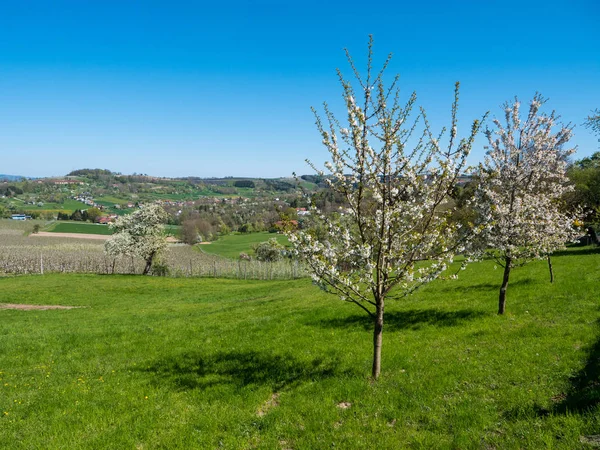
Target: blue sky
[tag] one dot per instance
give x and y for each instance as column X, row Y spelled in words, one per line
column 217, row 89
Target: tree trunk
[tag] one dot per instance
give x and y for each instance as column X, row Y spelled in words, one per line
column 377, row 341
column 148, row 264
column 502, row 298
column 550, row 269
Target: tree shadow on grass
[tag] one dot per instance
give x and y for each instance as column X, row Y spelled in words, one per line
column 487, row 287
column 584, row 393
column 243, row 368
column 408, row 319
column 578, row 251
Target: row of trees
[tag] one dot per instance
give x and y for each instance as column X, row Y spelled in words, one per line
column 79, row 215
column 207, row 222
column 398, row 178
column 398, row 181
column 10, row 190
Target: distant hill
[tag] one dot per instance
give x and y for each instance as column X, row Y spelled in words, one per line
column 4, row 177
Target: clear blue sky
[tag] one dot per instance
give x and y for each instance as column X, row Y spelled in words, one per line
column 225, row 88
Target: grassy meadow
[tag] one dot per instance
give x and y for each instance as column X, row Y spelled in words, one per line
column 231, row 245
column 109, row 202
column 95, row 228
column 69, row 205
column 80, row 227
column 212, row 363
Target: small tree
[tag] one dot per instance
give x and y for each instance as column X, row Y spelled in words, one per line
column 93, row 214
column 270, row 250
column 77, row 215
column 139, row 234
column 396, row 188
column 522, row 182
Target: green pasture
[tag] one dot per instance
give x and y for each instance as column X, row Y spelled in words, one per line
column 152, row 196
column 206, row 192
column 80, row 227
column 308, row 185
column 68, row 205
column 232, row 245
column 213, row 363
column 94, row 228
column 247, row 192
column 109, row 200
column 172, row 230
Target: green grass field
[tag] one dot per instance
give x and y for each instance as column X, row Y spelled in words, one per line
column 81, row 227
column 92, row 228
column 108, row 202
column 173, row 230
column 111, row 201
column 213, row 363
column 232, row 245
column 68, row 205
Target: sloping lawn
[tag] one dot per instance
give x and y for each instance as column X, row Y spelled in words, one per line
column 212, row 363
column 85, row 228
column 232, row 245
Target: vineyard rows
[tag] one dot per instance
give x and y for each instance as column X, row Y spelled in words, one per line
column 21, row 254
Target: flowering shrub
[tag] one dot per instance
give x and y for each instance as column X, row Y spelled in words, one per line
column 269, row 251
column 139, row 234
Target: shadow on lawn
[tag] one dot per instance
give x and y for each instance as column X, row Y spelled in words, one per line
column 585, row 386
column 242, row 368
column 584, row 393
column 487, row 287
column 399, row 320
column 578, row 251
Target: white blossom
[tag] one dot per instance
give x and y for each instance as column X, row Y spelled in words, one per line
column 140, row 233
column 398, row 197
column 521, row 184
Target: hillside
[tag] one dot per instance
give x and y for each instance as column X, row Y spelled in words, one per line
column 207, row 363
column 117, row 193
column 5, row 177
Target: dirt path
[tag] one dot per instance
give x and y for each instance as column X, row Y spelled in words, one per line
column 34, row 307
column 102, row 237
column 70, row 235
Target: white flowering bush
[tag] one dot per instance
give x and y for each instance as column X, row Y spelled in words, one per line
column 521, row 185
column 269, row 251
column 139, row 234
column 396, row 177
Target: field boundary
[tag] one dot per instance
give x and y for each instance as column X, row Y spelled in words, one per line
column 103, row 237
